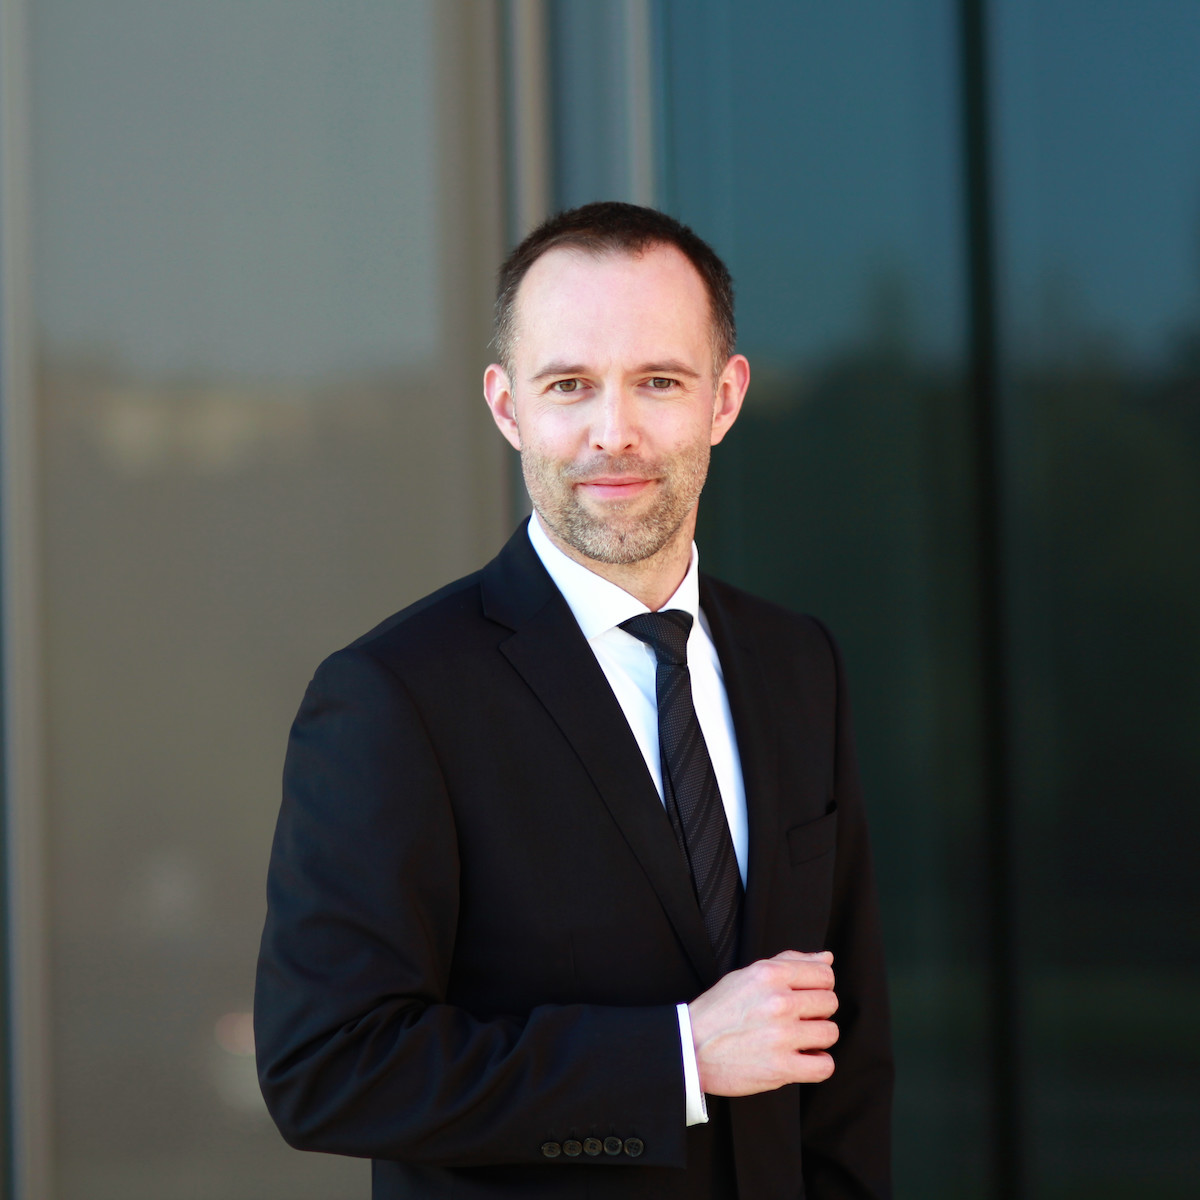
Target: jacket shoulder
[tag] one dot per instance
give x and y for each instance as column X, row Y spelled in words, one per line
column 427, row 636
column 473, row 612
column 768, row 621
column 454, row 601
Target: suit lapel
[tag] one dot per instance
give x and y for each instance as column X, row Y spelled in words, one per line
column 551, row 655
column 756, row 729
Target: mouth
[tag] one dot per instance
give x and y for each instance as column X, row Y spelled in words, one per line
column 614, row 487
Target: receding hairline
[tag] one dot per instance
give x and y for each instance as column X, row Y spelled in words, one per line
column 608, row 227
column 598, row 248
column 602, row 251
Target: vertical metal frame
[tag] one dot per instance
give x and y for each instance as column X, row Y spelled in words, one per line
column 20, row 574
column 627, row 32
column 470, row 119
column 527, row 123
column 641, row 102
column 995, row 649
column 528, row 162
column 603, row 133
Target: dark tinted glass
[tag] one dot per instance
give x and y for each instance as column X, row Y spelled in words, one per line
column 1099, row 140
column 817, row 148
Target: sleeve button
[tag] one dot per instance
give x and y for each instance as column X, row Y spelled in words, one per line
column 613, row 1145
column 592, row 1146
column 572, row 1148
column 634, row 1147
column 551, row 1149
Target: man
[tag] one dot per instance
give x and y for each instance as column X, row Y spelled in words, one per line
column 565, row 847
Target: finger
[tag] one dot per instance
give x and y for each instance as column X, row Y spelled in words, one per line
column 814, row 1003
column 809, row 973
column 795, row 965
column 814, row 1035
column 812, row 1066
column 825, row 956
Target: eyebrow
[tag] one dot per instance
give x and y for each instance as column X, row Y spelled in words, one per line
column 669, row 367
column 560, row 368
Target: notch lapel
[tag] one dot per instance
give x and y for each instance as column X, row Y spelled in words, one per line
column 549, row 652
column 756, row 728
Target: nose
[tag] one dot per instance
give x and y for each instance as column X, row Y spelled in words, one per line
column 615, row 430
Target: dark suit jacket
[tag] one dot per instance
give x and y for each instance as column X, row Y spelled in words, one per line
column 479, row 923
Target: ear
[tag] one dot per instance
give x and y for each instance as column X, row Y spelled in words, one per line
column 498, row 393
column 730, row 392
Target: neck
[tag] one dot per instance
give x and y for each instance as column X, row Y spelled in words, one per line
column 653, row 580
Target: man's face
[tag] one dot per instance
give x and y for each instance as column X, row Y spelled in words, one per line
column 612, row 399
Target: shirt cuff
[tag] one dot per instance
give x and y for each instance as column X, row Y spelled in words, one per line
column 696, row 1108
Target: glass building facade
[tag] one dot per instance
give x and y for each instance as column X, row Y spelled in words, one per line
column 247, row 255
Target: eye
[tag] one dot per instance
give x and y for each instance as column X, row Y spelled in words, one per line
column 565, row 386
column 661, row 384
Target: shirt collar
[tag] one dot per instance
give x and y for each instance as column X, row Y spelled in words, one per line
column 597, row 604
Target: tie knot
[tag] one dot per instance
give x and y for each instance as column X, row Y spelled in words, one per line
column 666, row 633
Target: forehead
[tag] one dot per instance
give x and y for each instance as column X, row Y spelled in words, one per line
column 617, row 299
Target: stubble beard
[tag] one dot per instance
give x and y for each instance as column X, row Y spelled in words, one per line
column 622, row 534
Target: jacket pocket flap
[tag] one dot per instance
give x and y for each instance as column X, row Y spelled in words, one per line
column 812, row 839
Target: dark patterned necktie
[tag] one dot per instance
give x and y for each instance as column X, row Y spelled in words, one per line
column 690, row 792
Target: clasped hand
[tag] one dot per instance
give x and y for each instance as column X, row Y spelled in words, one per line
column 766, row 1025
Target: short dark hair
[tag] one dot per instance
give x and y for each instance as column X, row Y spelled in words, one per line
column 605, row 227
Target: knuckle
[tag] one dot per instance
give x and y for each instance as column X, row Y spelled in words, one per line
column 781, row 1006
column 764, row 972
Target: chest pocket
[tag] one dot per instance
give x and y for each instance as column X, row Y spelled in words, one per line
column 811, row 855
column 812, row 839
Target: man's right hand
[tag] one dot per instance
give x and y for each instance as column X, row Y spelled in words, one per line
column 766, row 1025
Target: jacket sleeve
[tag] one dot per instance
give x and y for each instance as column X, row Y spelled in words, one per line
column 359, row 1053
column 846, row 1121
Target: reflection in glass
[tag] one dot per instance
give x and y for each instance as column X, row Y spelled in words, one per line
column 1100, row 153
column 253, row 450
column 819, row 153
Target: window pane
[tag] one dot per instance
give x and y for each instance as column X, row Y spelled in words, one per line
column 259, row 291
column 817, row 147
column 1100, row 225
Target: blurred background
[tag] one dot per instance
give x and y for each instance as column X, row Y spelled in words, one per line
column 246, row 253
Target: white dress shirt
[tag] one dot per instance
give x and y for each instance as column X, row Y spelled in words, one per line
column 630, row 667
